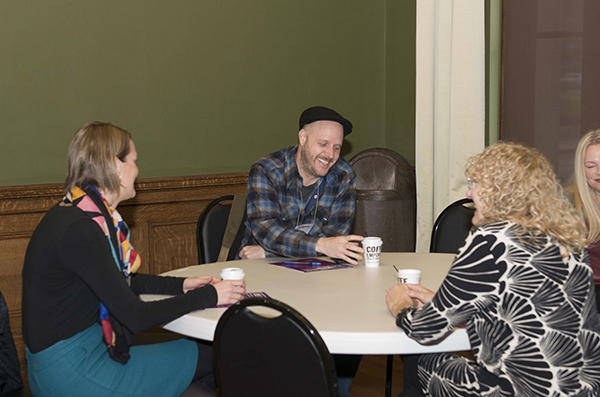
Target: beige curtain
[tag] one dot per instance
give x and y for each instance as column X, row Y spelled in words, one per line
column 450, row 103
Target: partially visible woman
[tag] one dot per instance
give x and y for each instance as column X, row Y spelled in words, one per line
column 585, row 188
column 80, row 289
column 523, row 285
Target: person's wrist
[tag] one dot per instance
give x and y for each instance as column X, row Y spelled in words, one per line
column 184, row 285
column 400, row 308
column 404, row 304
column 319, row 246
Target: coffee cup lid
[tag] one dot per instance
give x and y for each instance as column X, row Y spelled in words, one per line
column 234, row 272
column 409, row 271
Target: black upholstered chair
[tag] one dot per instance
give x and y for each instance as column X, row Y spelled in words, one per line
column 11, row 383
column 211, row 226
column 385, row 199
column 452, row 227
column 279, row 354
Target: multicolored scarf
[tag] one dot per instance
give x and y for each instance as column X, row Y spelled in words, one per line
column 117, row 338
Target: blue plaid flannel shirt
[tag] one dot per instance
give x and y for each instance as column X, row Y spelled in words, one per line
column 274, row 202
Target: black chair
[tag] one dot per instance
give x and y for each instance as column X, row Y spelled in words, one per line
column 452, row 227
column 11, row 383
column 211, row 226
column 274, row 355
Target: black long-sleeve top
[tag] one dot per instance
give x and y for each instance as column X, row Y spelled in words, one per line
column 69, row 269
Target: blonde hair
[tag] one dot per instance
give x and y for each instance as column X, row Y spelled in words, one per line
column 91, row 156
column 517, row 183
column 584, row 197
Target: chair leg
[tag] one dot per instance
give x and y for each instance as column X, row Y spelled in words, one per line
column 388, row 375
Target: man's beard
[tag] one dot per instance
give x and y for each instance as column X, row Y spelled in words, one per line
column 308, row 164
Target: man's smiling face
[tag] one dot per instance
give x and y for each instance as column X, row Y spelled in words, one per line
column 319, row 149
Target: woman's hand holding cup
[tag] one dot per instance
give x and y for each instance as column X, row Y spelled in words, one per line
column 233, row 288
column 230, row 291
column 419, row 294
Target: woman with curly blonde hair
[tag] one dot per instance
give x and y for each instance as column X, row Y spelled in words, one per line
column 521, row 282
column 517, row 182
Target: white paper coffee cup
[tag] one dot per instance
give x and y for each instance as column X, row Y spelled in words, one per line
column 409, row 276
column 372, row 246
column 232, row 273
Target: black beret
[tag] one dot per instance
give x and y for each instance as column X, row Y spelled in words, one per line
column 317, row 113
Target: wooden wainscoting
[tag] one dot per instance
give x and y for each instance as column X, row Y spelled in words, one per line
column 162, row 218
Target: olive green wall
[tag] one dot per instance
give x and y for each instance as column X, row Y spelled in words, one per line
column 204, row 86
column 400, row 74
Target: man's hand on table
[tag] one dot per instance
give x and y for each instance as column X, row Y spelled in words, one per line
column 252, row 252
column 342, row 247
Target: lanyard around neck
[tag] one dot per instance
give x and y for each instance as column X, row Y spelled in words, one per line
column 302, row 208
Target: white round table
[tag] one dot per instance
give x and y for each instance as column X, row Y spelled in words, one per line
column 347, row 306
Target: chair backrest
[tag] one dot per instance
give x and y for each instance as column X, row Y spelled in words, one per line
column 452, row 227
column 10, row 372
column 280, row 355
column 385, row 199
column 211, row 227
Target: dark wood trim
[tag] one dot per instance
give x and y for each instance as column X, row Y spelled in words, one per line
column 143, row 187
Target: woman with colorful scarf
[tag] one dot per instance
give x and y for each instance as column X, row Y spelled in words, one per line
column 80, row 289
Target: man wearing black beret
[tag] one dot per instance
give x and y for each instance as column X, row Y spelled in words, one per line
column 300, row 203
column 301, row 199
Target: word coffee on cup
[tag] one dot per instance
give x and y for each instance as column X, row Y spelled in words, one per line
column 232, row 273
column 409, row 276
column 372, row 246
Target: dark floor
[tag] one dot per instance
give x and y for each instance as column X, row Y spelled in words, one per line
column 370, row 379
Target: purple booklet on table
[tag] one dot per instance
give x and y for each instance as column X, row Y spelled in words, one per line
column 307, row 265
column 248, row 295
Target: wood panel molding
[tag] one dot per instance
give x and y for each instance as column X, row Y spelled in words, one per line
column 162, row 218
